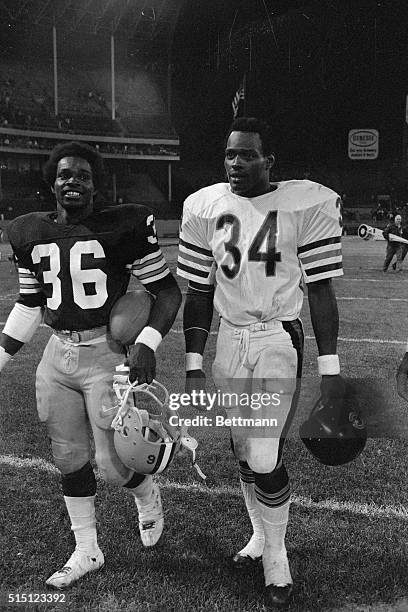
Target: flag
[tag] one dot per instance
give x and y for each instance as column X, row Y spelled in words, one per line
column 239, row 95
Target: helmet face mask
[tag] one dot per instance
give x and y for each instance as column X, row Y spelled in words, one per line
column 144, row 441
column 334, row 435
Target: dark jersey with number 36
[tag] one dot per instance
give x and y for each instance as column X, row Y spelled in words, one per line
column 77, row 272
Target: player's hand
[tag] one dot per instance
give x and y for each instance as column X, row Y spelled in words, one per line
column 196, row 381
column 402, row 378
column 332, row 389
column 142, row 363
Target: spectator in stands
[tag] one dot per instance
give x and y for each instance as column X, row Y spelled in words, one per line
column 393, row 246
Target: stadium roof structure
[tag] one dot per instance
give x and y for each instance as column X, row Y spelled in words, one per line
column 95, row 16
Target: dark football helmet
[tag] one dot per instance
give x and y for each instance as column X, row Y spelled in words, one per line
column 334, row 433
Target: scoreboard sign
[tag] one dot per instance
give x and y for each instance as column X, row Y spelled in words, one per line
column 363, row 144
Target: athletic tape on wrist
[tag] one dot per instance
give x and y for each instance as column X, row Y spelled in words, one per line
column 4, row 357
column 194, row 361
column 328, row 365
column 150, row 337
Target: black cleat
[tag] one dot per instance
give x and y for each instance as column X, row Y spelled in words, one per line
column 245, row 561
column 278, row 597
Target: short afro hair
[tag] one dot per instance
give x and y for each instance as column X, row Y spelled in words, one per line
column 74, row 149
column 252, row 124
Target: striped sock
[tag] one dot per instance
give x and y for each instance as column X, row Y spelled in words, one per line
column 273, row 494
column 254, row 547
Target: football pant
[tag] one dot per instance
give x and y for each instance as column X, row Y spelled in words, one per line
column 74, row 391
column 255, row 362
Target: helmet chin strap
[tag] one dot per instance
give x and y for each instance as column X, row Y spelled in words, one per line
column 123, row 387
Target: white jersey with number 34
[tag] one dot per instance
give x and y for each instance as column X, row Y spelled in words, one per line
column 259, row 250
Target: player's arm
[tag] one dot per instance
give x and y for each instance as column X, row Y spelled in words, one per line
column 197, row 318
column 141, row 358
column 20, row 326
column 325, row 321
column 319, row 252
column 196, row 265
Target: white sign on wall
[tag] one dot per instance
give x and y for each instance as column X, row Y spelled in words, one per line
column 363, row 144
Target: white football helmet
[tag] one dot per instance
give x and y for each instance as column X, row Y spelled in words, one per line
column 144, row 440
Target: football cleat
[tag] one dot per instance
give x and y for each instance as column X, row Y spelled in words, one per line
column 279, row 589
column 334, row 433
column 79, row 564
column 151, row 519
column 250, row 554
column 278, row 597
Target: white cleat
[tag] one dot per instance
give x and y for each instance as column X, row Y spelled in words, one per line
column 78, row 565
column 151, row 519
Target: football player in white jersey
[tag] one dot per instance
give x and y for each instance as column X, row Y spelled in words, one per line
column 74, row 264
column 248, row 247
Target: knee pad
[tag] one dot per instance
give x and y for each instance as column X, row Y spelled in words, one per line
column 69, row 458
column 135, row 481
column 81, row 483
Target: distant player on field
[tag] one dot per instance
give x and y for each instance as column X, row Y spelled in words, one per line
column 247, row 246
column 393, row 247
column 74, row 264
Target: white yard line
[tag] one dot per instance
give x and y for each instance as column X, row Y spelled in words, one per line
column 340, row 339
column 371, row 280
column 334, row 505
column 357, row 340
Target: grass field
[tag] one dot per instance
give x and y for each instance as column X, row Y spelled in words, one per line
column 348, row 533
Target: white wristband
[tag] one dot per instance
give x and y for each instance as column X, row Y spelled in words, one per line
column 150, row 337
column 4, row 357
column 328, row 365
column 194, row 361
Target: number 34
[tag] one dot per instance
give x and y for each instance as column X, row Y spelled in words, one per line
column 270, row 256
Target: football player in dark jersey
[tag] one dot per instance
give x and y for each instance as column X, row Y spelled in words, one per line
column 74, row 263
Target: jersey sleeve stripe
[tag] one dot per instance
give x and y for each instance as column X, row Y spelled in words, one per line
column 319, row 256
column 191, row 273
column 28, row 280
column 318, row 243
column 149, row 259
column 321, row 264
column 200, row 263
column 195, row 248
column 148, row 264
column 24, row 289
column 311, row 272
column 153, row 274
column 145, row 280
column 193, row 254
